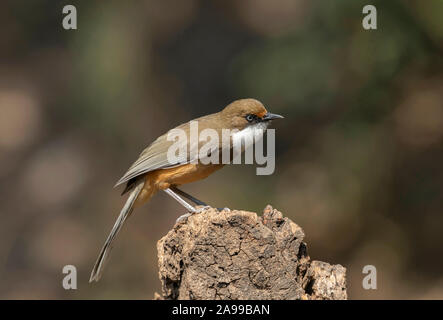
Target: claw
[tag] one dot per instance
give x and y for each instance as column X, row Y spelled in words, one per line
column 185, row 216
column 201, row 209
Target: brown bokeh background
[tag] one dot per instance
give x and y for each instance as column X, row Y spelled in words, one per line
column 359, row 154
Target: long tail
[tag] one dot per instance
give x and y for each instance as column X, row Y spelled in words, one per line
column 124, row 214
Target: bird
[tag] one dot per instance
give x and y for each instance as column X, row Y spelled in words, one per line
column 153, row 170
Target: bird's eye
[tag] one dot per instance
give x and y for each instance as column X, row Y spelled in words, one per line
column 250, row 117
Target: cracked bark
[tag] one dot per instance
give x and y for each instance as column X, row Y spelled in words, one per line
column 239, row 255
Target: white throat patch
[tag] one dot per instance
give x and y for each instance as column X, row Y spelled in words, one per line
column 249, row 135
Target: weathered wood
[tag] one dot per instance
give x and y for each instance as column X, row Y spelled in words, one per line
column 239, row 255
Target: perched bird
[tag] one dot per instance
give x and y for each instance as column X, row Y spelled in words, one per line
column 153, row 170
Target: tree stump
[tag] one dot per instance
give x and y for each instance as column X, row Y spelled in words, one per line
column 239, row 255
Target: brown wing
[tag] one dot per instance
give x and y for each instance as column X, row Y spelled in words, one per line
column 155, row 155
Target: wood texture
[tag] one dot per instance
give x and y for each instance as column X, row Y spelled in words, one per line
column 239, row 255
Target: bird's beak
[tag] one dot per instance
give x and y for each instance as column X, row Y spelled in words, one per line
column 271, row 116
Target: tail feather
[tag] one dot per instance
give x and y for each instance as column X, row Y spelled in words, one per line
column 124, row 214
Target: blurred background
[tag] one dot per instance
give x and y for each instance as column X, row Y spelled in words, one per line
column 359, row 154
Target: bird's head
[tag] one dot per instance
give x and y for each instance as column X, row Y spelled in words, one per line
column 244, row 113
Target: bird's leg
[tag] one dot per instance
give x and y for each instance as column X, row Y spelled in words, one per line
column 189, row 197
column 195, row 200
column 191, row 209
column 188, row 207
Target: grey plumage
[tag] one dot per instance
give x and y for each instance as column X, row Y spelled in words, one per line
column 155, row 155
column 124, row 214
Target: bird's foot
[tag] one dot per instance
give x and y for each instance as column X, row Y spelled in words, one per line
column 202, row 208
column 185, row 216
